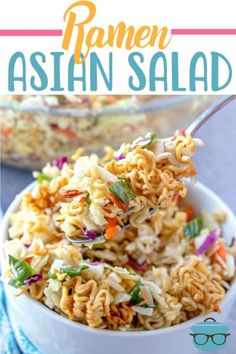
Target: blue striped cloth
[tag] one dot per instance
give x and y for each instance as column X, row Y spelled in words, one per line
column 12, row 339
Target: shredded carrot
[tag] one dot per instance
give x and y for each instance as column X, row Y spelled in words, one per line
column 6, row 131
column 111, row 232
column 192, row 173
column 28, row 259
column 65, row 131
column 70, row 193
column 111, row 99
column 110, row 222
column 190, row 212
column 83, row 199
column 221, row 252
column 119, row 203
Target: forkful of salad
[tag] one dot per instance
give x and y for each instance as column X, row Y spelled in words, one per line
column 142, row 178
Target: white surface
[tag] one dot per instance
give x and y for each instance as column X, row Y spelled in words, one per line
column 53, row 333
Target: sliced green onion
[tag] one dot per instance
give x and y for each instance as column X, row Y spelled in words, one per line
column 15, row 283
column 52, row 275
column 21, row 271
column 193, row 228
column 88, row 199
column 73, row 270
column 98, row 246
column 42, row 177
column 135, row 293
column 149, row 136
column 121, row 190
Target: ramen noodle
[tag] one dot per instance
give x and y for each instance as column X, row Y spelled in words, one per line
column 157, row 273
column 101, row 197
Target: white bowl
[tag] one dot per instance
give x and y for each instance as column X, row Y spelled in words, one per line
column 52, row 333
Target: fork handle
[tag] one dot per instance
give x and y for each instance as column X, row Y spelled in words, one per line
column 203, row 118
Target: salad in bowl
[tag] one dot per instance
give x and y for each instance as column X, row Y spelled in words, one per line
column 166, row 256
column 158, row 272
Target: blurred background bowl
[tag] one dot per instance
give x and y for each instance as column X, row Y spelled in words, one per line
column 37, row 129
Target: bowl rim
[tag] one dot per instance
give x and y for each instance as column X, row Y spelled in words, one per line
column 133, row 108
column 106, row 332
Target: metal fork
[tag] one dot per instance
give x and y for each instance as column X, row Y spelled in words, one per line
column 192, row 129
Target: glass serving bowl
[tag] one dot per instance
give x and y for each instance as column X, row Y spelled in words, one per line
column 37, row 129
